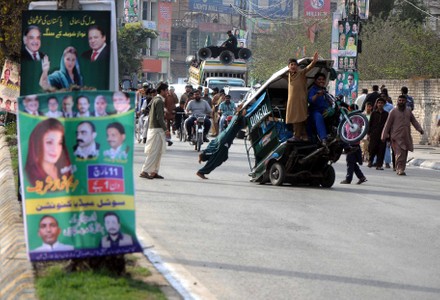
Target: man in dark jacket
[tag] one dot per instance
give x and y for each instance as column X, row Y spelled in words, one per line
column 376, row 146
column 371, row 97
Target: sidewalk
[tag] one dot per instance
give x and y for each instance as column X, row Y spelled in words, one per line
column 425, row 156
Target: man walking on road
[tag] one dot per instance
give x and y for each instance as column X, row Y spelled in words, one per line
column 157, row 132
column 398, row 129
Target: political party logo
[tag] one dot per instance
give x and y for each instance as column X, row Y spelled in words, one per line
column 317, row 4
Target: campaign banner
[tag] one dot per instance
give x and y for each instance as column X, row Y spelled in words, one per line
column 316, row 9
column 354, row 8
column 64, row 48
column 348, row 33
column 164, row 27
column 131, row 11
column 76, row 158
column 9, row 86
column 347, row 85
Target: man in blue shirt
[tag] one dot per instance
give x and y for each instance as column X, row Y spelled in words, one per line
column 226, row 108
column 317, row 106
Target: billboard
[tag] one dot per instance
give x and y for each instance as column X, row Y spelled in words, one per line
column 268, row 9
column 316, row 9
column 64, row 48
column 76, row 158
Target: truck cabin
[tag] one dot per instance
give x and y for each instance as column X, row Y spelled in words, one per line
column 220, row 83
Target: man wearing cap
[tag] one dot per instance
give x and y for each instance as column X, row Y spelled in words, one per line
column 231, row 43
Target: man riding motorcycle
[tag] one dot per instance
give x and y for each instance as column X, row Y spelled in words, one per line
column 198, row 108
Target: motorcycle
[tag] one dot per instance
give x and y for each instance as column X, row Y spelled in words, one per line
column 197, row 132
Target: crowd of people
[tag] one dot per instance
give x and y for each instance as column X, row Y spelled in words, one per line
column 389, row 134
column 214, row 108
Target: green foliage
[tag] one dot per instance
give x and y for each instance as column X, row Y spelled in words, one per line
column 131, row 39
column 56, row 284
column 381, row 8
column 11, row 128
column 10, row 28
column 404, row 11
column 394, row 49
column 272, row 51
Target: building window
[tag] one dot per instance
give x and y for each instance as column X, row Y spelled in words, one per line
column 145, row 10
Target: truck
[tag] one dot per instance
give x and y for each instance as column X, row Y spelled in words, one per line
column 219, row 67
column 213, row 73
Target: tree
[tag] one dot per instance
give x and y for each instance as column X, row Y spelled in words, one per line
column 381, row 8
column 394, row 49
column 131, row 39
column 10, row 28
column 414, row 10
column 271, row 52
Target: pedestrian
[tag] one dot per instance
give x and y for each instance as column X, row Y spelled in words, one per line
column 409, row 99
column 361, row 98
column 353, row 158
column 389, row 154
column 376, row 146
column 365, row 142
column 398, row 130
column 296, row 110
column 157, row 131
column 217, row 151
column 371, row 97
column 216, row 100
column 170, row 113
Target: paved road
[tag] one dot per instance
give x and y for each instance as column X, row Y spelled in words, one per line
column 227, row 238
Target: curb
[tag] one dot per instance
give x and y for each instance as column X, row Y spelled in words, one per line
column 17, row 277
column 425, row 164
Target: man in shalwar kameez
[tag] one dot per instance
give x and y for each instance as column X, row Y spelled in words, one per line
column 398, row 129
column 296, row 110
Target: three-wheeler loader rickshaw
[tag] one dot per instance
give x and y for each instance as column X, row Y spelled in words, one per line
column 273, row 157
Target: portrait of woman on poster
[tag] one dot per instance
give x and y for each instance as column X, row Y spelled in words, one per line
column 47, row 152
column 68, row 74
column 351, row 45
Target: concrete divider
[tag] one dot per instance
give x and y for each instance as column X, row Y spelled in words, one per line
column 16, row 274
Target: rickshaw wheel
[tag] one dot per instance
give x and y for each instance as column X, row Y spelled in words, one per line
column 277, row 173
column 328, row 178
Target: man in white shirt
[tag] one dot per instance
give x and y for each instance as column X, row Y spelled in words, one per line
column 67, row 105
column 100, row 106
column 53, row 112
column 361, row 98
column 121, row 102
column 31, row 105
column 86, row 147
column 48, row 230
column 83, row 105
column 99, row 49
column 116, row 138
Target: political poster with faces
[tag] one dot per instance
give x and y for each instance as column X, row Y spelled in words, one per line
column 76, row 173
column 61, row 49
column 9, row 86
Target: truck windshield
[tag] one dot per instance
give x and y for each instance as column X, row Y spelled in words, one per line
column 221, row 83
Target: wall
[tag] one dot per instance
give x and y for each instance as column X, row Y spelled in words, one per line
column 426, row 94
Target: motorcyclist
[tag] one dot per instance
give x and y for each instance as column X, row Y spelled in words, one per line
column 225, row 109
column 198, row 108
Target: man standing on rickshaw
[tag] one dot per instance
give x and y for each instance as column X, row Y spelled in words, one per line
column 296, row 110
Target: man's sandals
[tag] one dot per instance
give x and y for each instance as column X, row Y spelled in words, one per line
column 150, row 176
